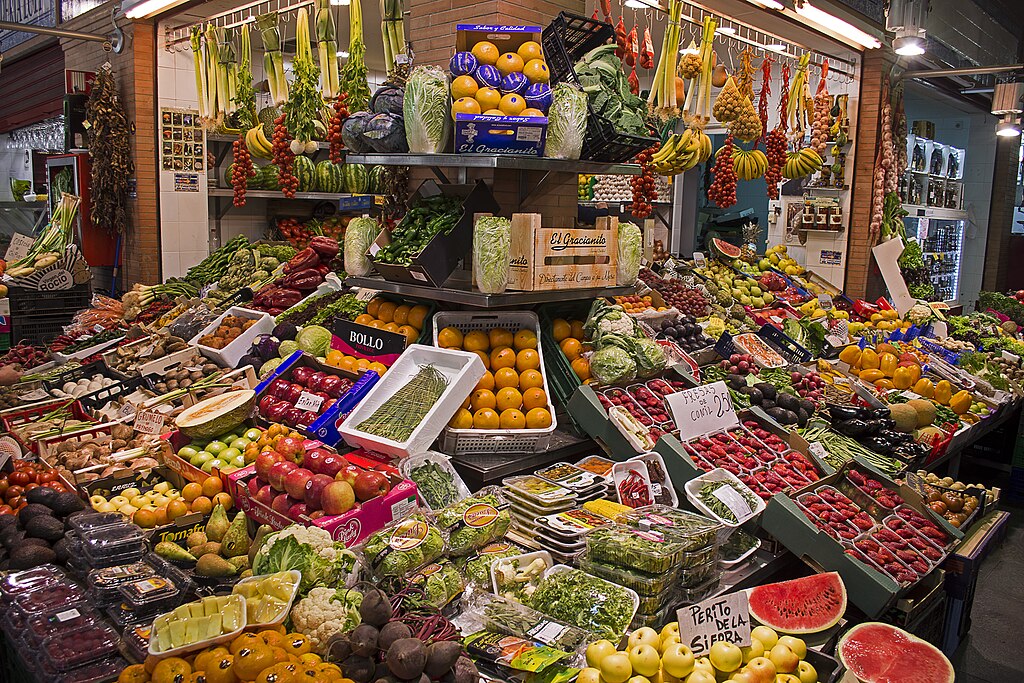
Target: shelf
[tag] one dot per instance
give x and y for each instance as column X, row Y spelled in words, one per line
column 23, row 205
column 224, row 137
column 277, row 194
column 459, row 292
column 826, row 188
column 936, row 176
column 595, row 202
column 934, row 212
column 496, row 161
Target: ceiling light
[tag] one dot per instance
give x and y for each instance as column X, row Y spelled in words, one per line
column 343, row 54
column 776, row 47
column 768, row 4
column 906, row 19
column 727, row 30
column 908, row 45
column 143, row 9
column 636, row 4
column 840, row 27
column 1009, row 127
column 689, row 51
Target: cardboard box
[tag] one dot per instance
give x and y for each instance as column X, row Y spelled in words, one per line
column 143, row 480
column 439, row 258
column 178, row 530
column 562, row 258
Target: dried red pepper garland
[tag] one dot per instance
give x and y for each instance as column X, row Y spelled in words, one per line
column 643, row 185
column 241, row 170
column 722, row 190
column 283, row 158
column 775, row 143
column 334, row 134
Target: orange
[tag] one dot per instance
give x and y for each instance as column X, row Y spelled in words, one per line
column 560, row 329
column 136, row 673
column 310, row 659
column 576, row 328
column 348, row 363
column 509, row 397
column 378, row 367
column 510, row 63
column 144, row 518
column 282, row 672
column 482, row 398
column 527, row 359
column 201, row 504
column 280, row 656
column 525, row 339
column 150, row 663
column 530, row 111
column 377, row 324
column 212, row 486
column 485, row 52
column 464, row 86
column 362, row 364
column 536, row 71
column 197, row 677
column 485, row 419
column 530, row 50
column 506, row 377
column 499, row 337
column 449, row 338
column 418, row 316
column 530, row 379
column 410, row 332
column 171, row 670
column 224, row 498
column 534, row 398
column 161, row 514
column 494, row 112
column 581, row 366
column 386, row 312
column 475, row 341
column 371, row 308
column 486, row 382
column 485, row 359
column 512, row 104
column 272, row 638
column 250, row 661
column 538, row 418
column 571, row 348
column 512, row 418
column 296, row 644
column 503, row 358
column 463, row 420
column 177, row 507
column 206, row 657
column 192, row 490
column 331, row 670
column 243, row 641
column 466, row 105
column 364, row 319
column 489, row 98
column 334, row 356
column 220, row 669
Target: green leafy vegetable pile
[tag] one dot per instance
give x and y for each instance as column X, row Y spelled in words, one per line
column 595, row 605
column 647, row 551
column 477, row 567
column 1002, row 303
column 600, row 73
column 492, row 241
column 441, row 582
column 320, row 308
column 474, row 522
column 430, row 217
column 435, row 484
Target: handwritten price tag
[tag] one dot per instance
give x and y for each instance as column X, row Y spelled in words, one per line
column 308, row 401
column 702, row 410
column 825, row 301
column 917, row 483
column 726, row 617
column 127, row 410
column 19, row 247
column 149, row 422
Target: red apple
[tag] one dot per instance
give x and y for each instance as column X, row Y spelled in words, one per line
column 278, row 472
column 349, row 474
column 333, row 464
column 265, row 495
column 281, row 503
column 277, row 411
column 289, row 447
column 301, row 375
column 338, row 498
column 295, row 482
column 370, row 484
column 313, row 460
column 266, row 460
column 298, row 510
column 294, row 391
column 254, row 485
column 315, row 379
column 315, row 488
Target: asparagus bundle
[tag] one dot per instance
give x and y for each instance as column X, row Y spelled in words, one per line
column 403, row 411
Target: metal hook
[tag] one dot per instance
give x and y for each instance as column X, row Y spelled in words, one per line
column 116, row 42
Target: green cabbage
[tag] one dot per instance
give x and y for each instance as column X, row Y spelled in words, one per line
column 492, row 242
column 631, row 247
column 426, row 110
column 567, row 122
column 649, row 356
column 359, row 235
column 611, row 365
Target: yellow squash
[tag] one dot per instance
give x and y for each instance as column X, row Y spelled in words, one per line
column 869, row 359
column 872, row 375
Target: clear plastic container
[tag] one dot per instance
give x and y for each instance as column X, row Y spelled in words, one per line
column 127, row 554
column 623, row 546
column 571, row 523
column 654, row 603
column 697, row 574
column 688, row 596
column 533, row 508
column 598, row 465
column 72, row 649
column 89, row 520
column 644, row 584
column 539, row 492
column 61, row 619
column 111, row 538
column 104, row 583
column 737, row 498
column 96, row 672
column 413, row 468
column 693, row 531
column 570, row 476
column 136, row 640
column 124, row 616
column 222, row 614
column 151, row 594
column 17, row 583
column 738, row 547
column 50, row 596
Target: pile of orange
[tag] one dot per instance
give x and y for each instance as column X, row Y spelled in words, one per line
column 571, row 340
column 637, row 304
column 397, row 317
column 511, row 393
column 337, row 359
column 269, row 656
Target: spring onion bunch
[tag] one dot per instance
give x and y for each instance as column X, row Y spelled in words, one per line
column 199, row 62
column 144, row 295
column 698, row 109
column 662, row 100
column 55, row 238
column 245, row 95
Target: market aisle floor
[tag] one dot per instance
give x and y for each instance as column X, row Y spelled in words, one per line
column 991, row 653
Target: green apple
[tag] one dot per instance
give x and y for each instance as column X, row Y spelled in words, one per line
column 239, row 443
column 229, row 453
column 764, row 264
column 216, row 447
column 238, row 461
column 253, row 434
column 187, row 453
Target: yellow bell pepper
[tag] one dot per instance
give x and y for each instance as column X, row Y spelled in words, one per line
column 885, row 384
column 850, row 355
column 903, row 378
column 869, row 359
column 887, row 363
column 924, row 388
column 960, row 402
column 943, row 392
column 915, row 371
column 871, row 375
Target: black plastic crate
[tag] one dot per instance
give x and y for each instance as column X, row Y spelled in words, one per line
column 39, row 329
column 75, row 374
column 36, row 302
column 565, row 40
column 102, row 397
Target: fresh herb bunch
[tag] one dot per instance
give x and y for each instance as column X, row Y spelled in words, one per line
column 322, row 306
column 430, row 217
column 513, row 618
column 214, row 266
column 110, row 153
column 707, row 496
column 595, row 605
column 347, row 307
column 435, row 484
column 464, row 534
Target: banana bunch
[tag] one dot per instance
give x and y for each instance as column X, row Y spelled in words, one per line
column 681, row 152
column 801, row 163
column 258, row 144
column 749, row 165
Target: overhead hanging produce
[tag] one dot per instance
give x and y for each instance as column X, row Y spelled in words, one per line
column 304, row 103
column 662, row 100
column 775, row 140
column 273, row 57
column 392, row 28
column 245, row 95
column 110, row 154
column 327, row 50
column 354, row 73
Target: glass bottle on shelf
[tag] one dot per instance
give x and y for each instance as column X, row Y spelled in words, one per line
column 936, row 165
column 918, row 161
column 904, row 189
column 951, row 201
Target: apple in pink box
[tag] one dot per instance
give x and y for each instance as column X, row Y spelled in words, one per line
column 332, row 464
column 278, row 472
column 281, row 503
column 338, row 498
column 298, row 510
column 348, row 474
column 313, row 460
column 265, row 495
column 266, row 460
column 254, row 485
column 371, row 484
column 315, row 488
column 295, row 482
column 301, row 375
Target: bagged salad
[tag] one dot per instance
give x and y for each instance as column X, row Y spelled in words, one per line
column 476, row 521
column 595, row 605
column 399, row 548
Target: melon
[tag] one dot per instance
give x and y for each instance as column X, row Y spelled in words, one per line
column 216, row 415
column 877, row 653
column 807, row 605
column 724, row 250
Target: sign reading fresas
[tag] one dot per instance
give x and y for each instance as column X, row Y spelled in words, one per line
column 721, row 618
column 702, row 410
column 367, row 342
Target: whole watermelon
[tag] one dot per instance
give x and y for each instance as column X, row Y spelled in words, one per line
column 330, row 177
column 305, row 172
column 357, row 179
column 251, row 183
column 376, row 184
column 266, row 177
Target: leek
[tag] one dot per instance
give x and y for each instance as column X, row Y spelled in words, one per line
column 196, row 41
column 392, row 29
column 662, row 100
column 216, row 76
column 273, row 58
column 796, row 94
column 327, row 47
column 353, row 74
column 229, row 68
column 245, row 94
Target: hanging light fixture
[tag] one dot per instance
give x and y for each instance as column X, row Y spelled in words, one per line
column 1006, row 104
column 839, row 27
column 906, row 19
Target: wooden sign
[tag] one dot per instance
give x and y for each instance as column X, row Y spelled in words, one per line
column 562, row 258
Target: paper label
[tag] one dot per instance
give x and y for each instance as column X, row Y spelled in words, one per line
column 725, row 617
column 698, row 259
column 529, row 133
column 149, row 422
column 308, row 401
column 917, row 483
column 363, row 294
column 817, row 450
column 418, row 275
column 825, row 301
column 67, row 615
column 733, row 500
column 19, row 247
column 547, row 632
column 702, row 410
column 127, row 410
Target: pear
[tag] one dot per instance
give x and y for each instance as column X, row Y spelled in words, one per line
column 218, row 524
column 196, row 538
column 239, row 562
column 173, row 551
column 214, row 566
column 236, row 541
column 257, row 542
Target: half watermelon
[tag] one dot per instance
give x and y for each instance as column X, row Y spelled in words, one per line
column 808, row 605
column 881, row 653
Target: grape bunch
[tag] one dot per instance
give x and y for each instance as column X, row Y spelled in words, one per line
column 775, row 150
column 241, row 171
column 643, row 184
column 722, row 190
column 334, row 133
column 283, row 158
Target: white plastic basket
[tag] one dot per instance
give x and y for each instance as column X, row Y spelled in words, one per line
column 719, row 474
column 457, row 441
column 296, row 578
column 86, row 352
column 229, row 356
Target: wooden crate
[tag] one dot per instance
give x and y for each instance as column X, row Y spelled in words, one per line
column 564, row 258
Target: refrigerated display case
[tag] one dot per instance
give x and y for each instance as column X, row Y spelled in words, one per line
column 70, row 173
column 942, row 244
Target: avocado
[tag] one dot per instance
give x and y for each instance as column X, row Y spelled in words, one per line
column 8, row 520
column 789, row 417
column 768, row 389
column 11, row 536
column 28, row 556
column 43, row 495
column 67, row 503
column 61, row 549
column 755, row 396
column 767, row 404
column 33, row 510
column 777, row 413
column 788, row 401
column 45, row 527
column 808, row 406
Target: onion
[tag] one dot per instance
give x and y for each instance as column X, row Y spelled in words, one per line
column 296, row 147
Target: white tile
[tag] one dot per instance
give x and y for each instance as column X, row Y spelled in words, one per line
column 186, row 87
column 166, row 87
column 171, row 264
column 170, row 239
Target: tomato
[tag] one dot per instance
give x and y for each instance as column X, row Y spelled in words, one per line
column 3, row 486
column 6, row 510
column 31, row 485
column 48, row 475
column 55, row 485
column 15, row 502
column 19, row 477
column 13, row 492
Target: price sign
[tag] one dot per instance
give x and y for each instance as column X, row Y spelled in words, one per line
column 19, row 247
column 817, row 450
column 825, row 301
column 917, row 483
column 149, row 422
column 698, row 259
column 364, row 294
column 308, row 401
column 722, row 618
column 127, row 410
column 702, row 410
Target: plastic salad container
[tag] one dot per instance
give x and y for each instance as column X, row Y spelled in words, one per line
column 437, row 482
column 654, row 603
column 698, row 593
column 477, row 567
column 697, row 574
column 517, row 577
column 623, row 546
column 61, row 619
column 89, row 520
column 734, row 502
column 71, row 649
column 571, row 523
column 268, row 597
column 692, row 530
column 512, row 618
column 95, row 672
column 217, row 619
column 587, row 601
column 738, row 547
column 643, row 583
column 474, row 522
column 17, row 583
column 570, row 476
column 539, row 492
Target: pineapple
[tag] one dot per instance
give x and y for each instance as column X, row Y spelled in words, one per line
column 748, row 252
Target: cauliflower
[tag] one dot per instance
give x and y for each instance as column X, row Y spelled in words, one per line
column 324, row 612
column 311, row 550
column 919, row 314
column 616, row 322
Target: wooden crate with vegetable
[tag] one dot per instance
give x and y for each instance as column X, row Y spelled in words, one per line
column 545, row 258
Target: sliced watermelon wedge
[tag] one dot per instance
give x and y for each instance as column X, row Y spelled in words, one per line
column 882, row 653
column 808, row 605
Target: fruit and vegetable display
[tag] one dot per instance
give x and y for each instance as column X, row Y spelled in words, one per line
column 487, row 81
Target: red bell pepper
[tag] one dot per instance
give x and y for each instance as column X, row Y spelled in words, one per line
column 325, row 247
column 307, row 258
column 305, row 280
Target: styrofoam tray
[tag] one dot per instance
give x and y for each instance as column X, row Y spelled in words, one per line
column 229, row 356
column 457, row 441
column 86, row 352
column 719, row 474
column 222, row 638
column 296, row 577
column 463, row 370
column 157, row 366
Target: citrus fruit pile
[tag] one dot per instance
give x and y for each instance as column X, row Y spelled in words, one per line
column 572, row 341
column 485, row 81
column 397, row 317
column 163, row 503
column 511, row 394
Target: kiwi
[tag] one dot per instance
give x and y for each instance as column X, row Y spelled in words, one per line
column 406, row 658
column 392, row 631
column 441, row 657
column 375, row 609
column 364, row 640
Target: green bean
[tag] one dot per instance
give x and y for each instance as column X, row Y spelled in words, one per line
column 398, row 416
column 840, row 449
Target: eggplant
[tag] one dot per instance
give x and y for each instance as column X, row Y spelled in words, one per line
column 879, row 445
column 879, row 413
column 839, row 413
column 873, row 427
column 853, row 428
